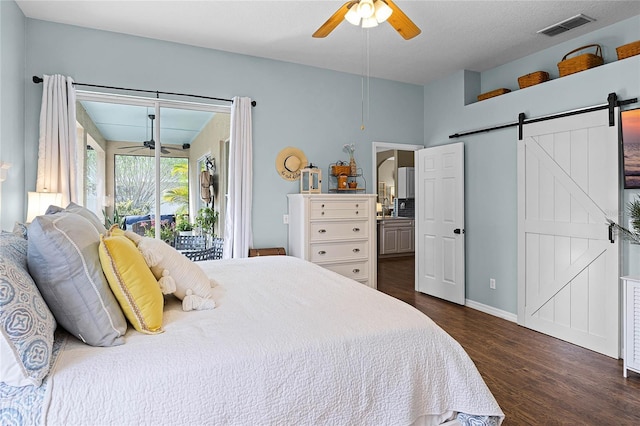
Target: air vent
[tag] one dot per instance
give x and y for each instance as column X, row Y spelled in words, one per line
column 566, row 25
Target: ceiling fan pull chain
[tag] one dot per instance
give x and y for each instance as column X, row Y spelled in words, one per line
column 365, row 77
column 368, row 75
column 362, row 103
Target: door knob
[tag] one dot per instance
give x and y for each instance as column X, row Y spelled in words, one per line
column 458, row 231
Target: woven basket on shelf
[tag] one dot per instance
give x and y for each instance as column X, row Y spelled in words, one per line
column 533, row 79
column 580, row 62
column 339, row 169
column 491, row 94
column 628, row 50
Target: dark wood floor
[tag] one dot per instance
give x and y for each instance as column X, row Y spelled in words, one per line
column 536, row 379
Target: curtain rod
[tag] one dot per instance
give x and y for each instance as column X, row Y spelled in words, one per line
column 38, row 80
column 612, row 102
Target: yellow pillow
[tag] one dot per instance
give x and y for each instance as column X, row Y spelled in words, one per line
column 133, row 284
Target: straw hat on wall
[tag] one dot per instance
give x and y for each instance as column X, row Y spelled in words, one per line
column 289, row 162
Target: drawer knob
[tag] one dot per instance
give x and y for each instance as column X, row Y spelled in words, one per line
column 322, row 252
column 322, row 213
column 357, row 212
column 322, row 231
column 357, row 205
column 323, row 206
column 355, row 271
column 356, row 229
column 356, row 250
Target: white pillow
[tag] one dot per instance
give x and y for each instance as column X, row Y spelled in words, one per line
column 190, row 279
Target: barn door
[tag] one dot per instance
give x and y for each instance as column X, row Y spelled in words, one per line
column 567, row 266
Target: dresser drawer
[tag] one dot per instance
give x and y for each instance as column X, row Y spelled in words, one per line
column 327, row 231
column 331, row 252
column 355, row 270
column 348, row 209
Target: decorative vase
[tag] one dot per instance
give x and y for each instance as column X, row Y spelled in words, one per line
column 353, row 166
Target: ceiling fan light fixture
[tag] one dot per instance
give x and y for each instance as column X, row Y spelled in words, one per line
column 369, row 22
column 369, row 13
column 352, row 15
column 383, row 11
column 366, row 9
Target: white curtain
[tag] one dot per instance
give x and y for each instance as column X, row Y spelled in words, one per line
column 238, row 236
column 57, row 149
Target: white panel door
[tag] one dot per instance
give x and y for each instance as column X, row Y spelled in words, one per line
column 440, row 222
column 567, row 267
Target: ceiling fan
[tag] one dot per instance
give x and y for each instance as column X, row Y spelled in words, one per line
column 151, row 143
column 370, row 13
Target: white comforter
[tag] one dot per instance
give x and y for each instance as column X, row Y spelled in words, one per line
column 290, row 343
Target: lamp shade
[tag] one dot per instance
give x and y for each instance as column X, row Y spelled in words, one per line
column 369, row 22
column 352, row 15
column 383, row 11
column 368, row 13
column 38, row 202
column 366, row 8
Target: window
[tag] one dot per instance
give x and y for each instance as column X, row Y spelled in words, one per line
column 91, row 171
column 135, row 193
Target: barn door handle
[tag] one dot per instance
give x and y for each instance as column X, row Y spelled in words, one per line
column 611, row 240
column 458, row 231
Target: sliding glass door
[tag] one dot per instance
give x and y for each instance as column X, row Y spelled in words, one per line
column 153, row 153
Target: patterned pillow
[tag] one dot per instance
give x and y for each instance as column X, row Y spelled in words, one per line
column 26, row 323
column 21, row 230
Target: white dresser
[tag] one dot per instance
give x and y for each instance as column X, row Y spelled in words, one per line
column 631, row 324
column 336, row 231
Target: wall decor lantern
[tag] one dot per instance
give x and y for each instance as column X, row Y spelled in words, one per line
column 311, row 180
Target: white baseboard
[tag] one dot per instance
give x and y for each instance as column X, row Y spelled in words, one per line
column 491, row 310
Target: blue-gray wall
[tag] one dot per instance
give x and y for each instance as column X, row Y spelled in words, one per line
column 313, row 109
column 12, row 84
column 490, row 158
column 319, row 111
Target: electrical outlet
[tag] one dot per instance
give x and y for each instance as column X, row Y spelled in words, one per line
column 285, row 219
column 492, row 283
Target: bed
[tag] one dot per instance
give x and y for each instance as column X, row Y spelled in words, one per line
column 287, row 343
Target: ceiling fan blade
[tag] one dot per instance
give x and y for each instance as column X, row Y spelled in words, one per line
column 334, row 20
column 401, row 22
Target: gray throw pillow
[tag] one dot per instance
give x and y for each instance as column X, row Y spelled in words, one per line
column 87, row 214
column 64, row 262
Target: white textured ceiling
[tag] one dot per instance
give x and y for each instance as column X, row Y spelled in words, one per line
column 472, row 35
